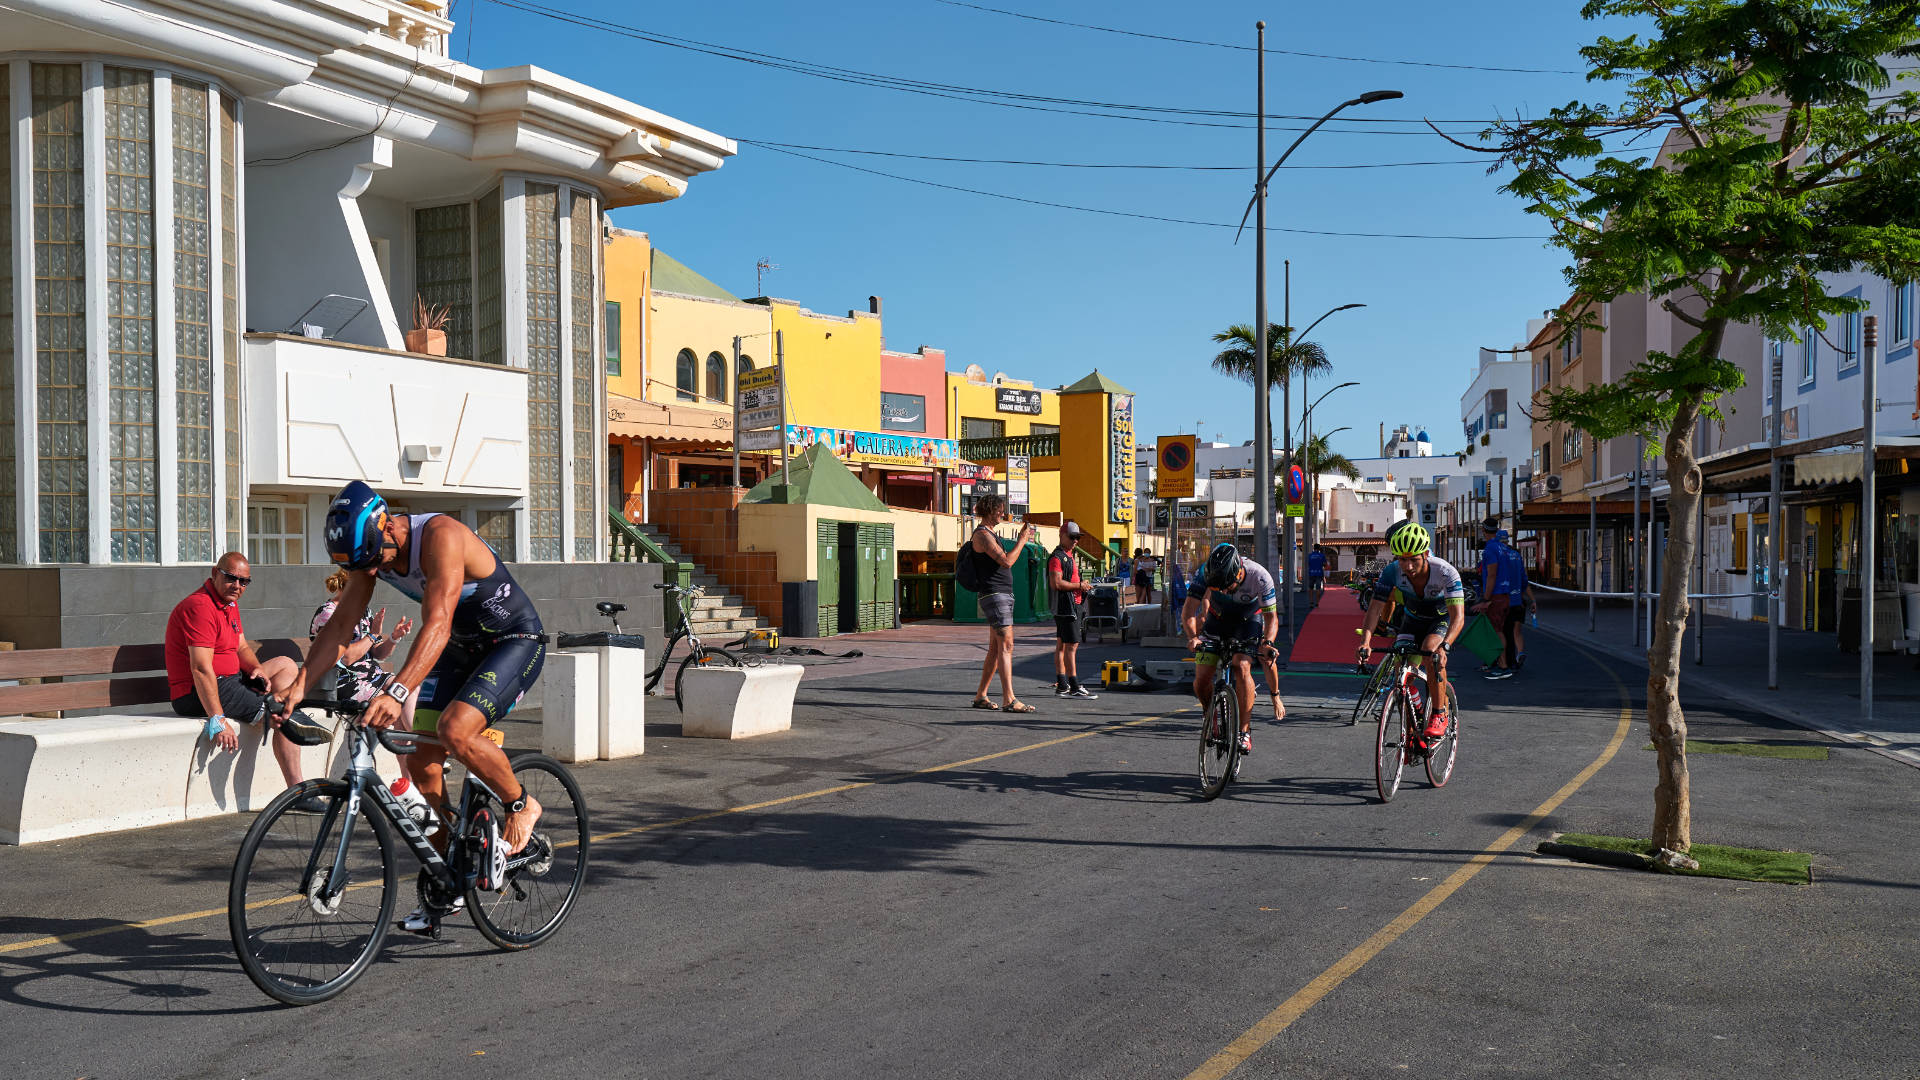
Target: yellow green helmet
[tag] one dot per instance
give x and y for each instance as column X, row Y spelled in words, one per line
column 1412, row 539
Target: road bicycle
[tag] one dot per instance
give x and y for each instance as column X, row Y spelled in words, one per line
column 1220, row 723
column 312, row 895
column 1404, row 711
column 698, row 656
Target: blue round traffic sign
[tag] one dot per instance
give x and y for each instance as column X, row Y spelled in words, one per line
column 1296, row 484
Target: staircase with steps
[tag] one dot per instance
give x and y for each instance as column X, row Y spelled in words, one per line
column 718, row 612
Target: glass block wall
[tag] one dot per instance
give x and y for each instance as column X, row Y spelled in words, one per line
column 489, row 316
column 544, row 501
column 193, row 322
column 131, row 380
column 60, row 317
column 582, row 254
column 443, row 269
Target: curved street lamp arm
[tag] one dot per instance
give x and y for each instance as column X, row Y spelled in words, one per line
column 1367, row 98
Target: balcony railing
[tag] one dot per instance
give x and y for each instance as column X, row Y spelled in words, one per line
column 1018, row 445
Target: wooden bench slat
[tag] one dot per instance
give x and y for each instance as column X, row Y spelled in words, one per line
column 102, row 660
column 96, row 694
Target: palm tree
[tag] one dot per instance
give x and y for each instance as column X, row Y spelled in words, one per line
column 1283, row 361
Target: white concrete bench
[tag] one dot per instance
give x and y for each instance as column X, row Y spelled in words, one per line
column 76, row 776
column 737, row 703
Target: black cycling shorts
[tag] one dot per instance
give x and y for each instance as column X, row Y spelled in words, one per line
column 1418, row 628
column 490, row 676
column 1227, row 629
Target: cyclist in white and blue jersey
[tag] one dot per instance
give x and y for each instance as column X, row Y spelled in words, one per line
column 1240, row 603
column 1435, row 600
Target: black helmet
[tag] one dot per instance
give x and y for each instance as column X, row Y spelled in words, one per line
column 1223, row 569
column 354, row 526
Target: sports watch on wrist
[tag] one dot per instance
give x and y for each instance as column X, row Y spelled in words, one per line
column 398, row 691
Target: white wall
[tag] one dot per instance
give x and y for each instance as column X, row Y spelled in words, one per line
column 305, row 240
column 1832, row 402
column 320, row 415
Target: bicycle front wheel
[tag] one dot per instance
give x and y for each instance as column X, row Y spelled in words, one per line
column 1370, row 694
column 704, row 656
column 302, row 936
column 1219, row 743
column 1441, row 752
column 543, row 880
column 1390, row 744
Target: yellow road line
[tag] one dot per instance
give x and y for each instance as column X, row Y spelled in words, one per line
column 168, row 920
column 1277, row 1021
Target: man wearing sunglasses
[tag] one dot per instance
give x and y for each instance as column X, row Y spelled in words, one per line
column 213, row 673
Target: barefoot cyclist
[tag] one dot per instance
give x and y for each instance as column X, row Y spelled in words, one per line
column 1435, row 601
column 479, row 647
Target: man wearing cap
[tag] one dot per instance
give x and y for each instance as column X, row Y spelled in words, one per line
column 1494, row 593
column 1069, row 613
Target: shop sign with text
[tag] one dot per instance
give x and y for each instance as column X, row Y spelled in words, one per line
column 1014, row 400
column 1120, row 476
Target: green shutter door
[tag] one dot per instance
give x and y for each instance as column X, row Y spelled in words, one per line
column 827, row 593
column 851, row 577
column 885, row 567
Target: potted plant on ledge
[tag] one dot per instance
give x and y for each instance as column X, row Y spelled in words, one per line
column 429, row 333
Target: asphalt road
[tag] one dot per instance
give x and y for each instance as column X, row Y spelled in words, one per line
column 1044, row 896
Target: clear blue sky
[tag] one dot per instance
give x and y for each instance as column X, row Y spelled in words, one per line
column 1048, row 294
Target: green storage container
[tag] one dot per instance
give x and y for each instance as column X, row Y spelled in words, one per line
column 1030, row 600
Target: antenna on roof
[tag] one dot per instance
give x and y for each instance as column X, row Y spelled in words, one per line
column 760, row 271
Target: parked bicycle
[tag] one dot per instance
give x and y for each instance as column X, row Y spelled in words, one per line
column 312, row 895
column 1404, row 711
column 1220, row 723
column 699, row 655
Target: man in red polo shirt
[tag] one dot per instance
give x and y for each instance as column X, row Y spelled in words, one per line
column 212, row 671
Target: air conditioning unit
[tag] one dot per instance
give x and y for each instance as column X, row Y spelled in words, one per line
column 1553, row 483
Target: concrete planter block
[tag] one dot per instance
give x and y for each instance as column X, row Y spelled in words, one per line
column 737, row 703
column 570, row 717
column 623, row 702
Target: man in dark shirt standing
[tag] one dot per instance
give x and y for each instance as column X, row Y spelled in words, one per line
column 212, row 672
column 1069, row 614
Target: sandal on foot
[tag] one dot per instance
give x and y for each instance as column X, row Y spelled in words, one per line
column 1017, row 706
column 983, row 703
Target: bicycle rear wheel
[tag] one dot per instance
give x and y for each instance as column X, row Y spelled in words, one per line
column 300, row 938
column 544, row 879
column 704, row 656
column 1441, row 752
column 1219, row 745
column 1390, row 744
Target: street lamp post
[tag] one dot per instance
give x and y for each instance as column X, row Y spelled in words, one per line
column 1311, row 523
column 1262, row 405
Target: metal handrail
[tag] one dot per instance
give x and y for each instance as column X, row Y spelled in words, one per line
column 628, row 544
column 996, row 449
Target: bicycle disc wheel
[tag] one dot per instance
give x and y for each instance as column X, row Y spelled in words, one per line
column 538, row 895
column 299, row 940
column 1441, row 753
column 1390, row 745
column 1219, row 750
column 704, row 656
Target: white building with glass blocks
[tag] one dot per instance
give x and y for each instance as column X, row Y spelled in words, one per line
column 215, row 221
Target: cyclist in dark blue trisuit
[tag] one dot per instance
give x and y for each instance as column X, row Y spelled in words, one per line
column 1238, row 597
column 479, row 647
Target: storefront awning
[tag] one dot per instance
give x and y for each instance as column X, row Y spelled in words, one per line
column 1841, row 464
column 690, row 428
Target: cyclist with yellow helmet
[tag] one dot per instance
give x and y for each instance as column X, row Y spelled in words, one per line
column 1435, row 600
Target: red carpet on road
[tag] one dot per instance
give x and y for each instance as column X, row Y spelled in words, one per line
column 1330, row 633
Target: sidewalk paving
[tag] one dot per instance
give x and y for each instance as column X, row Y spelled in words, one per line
column 1819, row 684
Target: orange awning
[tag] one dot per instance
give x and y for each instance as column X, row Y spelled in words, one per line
column 692, row 427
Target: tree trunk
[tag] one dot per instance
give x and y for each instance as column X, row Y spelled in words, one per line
column 1672, row 800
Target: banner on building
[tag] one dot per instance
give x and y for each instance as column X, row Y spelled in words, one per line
column 1189, row 512
column 1014, row 400
column 876, row 448
column 1120, row 474
column 1017, row 473
column 760, row 440
column 1174, row 478
column 903, row 412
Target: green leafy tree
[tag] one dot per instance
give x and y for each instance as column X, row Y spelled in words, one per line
column 1786, row 149
column 1284, row 360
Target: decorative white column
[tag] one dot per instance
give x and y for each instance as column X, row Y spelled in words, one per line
column 99, row 360
column 25, row 341
column 166, row 430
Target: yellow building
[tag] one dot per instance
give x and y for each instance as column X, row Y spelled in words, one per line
column 671, row 370
column 997, row 416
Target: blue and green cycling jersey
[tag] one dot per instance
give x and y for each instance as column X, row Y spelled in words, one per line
column 1254, row 595
column 1443, row 587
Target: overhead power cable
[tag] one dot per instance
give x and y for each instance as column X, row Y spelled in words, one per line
column 1250, row 48
column 1160, row 114
column 1094, row 165
column 1131, row 213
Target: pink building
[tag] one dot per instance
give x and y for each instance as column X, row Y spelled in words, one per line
column 913, row 401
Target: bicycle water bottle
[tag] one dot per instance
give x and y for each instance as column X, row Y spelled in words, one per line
column 416, row 805
column 1415, row 695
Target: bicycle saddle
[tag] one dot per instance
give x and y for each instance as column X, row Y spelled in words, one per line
column 608, row 607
